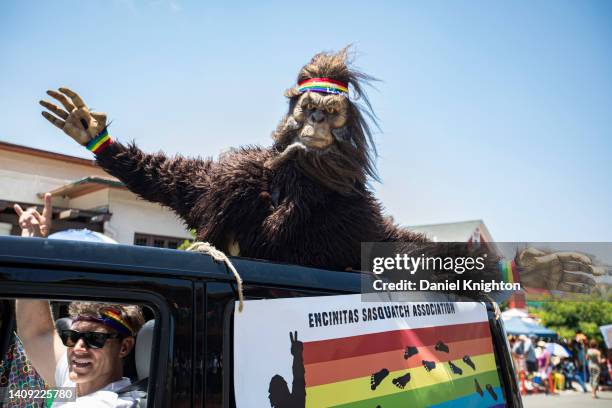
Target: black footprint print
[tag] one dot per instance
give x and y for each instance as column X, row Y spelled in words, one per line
column 400, row 382
column 441, row 347
column 489, row 388
column 455, row 369
column 429, row 365
column 410, row 351
column 376, row 378
column 467, row 360
column 478, row 389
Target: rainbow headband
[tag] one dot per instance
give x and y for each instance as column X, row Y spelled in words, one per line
column 323, row 85
column 109, row 317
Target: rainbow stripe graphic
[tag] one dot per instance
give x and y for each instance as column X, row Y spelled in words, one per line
column 339, row 371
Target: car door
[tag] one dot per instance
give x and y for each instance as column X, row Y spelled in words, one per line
column 168, row 301
column 282, row 281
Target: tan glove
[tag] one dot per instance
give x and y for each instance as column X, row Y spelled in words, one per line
column 76, row 120
column 563, row 271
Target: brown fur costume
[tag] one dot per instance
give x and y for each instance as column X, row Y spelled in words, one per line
column 283, row 203
column 305, row 199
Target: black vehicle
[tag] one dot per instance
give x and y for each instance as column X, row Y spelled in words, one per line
column 191, row 299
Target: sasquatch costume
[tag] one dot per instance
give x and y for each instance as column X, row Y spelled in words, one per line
column 305, row 200
column 289, row 202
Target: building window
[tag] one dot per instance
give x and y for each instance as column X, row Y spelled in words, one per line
column 157, row 241
column 140, row 240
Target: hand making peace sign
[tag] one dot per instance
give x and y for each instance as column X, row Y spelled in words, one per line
column 297, row 347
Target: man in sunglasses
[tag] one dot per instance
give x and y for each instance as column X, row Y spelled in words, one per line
column 88, row 356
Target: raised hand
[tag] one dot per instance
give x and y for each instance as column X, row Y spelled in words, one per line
column 75, row 119
column 296, row 346
column 563, row 271
column 32, row 223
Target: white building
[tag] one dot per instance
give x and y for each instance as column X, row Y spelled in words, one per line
column 463, row 231
column 84, row 196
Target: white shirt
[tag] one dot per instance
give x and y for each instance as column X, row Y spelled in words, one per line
column 106, row 397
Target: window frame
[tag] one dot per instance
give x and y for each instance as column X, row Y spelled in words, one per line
column 157, row 384
column 7, row 311
column 151, row 238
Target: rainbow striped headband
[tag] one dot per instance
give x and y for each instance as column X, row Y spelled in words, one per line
column 110, row 317
column 323, row 85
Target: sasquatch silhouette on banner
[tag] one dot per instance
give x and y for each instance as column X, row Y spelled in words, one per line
column 280, row 396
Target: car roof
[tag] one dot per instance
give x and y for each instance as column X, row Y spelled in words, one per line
column 91, row 257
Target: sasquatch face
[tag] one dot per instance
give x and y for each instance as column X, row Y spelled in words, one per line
column 317, row 116
column 324, row 133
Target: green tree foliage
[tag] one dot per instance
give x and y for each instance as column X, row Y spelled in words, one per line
column 568, row 317
column 188, row 242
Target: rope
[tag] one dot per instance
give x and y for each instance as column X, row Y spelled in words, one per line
column 496, row 309
column 219, row 256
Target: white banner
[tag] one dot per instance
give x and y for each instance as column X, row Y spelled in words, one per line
column 340, row 351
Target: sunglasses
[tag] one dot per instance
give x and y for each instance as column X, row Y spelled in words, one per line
column 93, row 340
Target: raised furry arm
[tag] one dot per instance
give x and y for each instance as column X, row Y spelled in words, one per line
column 175, row 182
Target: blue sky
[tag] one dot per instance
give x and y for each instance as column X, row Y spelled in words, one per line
column 492, row 110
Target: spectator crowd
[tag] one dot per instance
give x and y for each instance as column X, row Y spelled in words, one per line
column 567, row 364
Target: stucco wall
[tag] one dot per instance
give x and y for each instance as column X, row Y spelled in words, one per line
column 91, row 201
column 16, row 186
column 22, row 176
